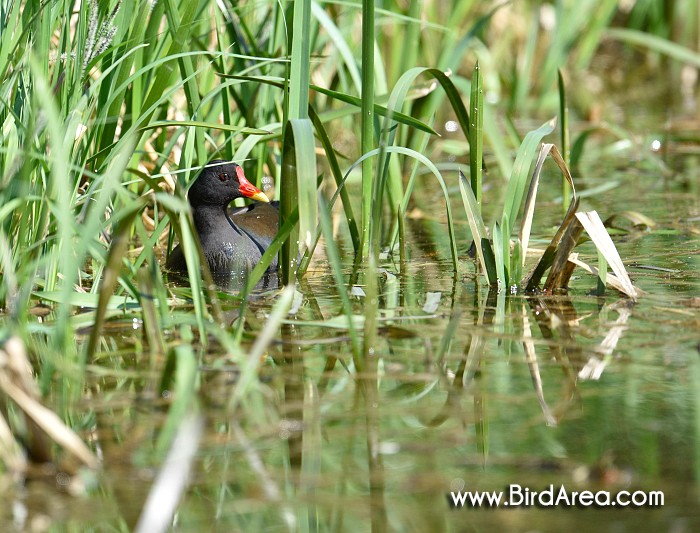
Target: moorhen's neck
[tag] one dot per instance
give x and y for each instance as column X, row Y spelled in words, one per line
column 211, row 218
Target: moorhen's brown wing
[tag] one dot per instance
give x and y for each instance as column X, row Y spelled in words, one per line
column 259, row 221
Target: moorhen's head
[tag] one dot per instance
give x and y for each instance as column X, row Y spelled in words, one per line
column 221, row 182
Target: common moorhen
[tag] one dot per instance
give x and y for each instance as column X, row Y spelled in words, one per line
column 233, row 241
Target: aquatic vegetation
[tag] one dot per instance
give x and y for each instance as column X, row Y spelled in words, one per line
column 109, row 109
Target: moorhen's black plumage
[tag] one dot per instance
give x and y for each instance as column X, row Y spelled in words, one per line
column 233, row 241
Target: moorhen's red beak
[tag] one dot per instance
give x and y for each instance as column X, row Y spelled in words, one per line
column 248, row 189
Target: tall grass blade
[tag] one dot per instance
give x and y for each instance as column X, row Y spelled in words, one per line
column 298, row 188
column 508, row 278
column 529, row 211
column 484, row 251
column 521, row 168
column 305, row 159
column 498, row 245
column 564, row 126
column 402, row 242
column 367, row 126
column 289, row 200
column 300, row 64
column 476, row 133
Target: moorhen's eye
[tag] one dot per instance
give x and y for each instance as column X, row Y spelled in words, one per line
column 224, row 176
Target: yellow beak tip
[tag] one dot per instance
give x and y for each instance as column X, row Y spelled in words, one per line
column 260, row 197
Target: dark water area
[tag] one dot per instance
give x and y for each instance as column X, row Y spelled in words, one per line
column 477, row 391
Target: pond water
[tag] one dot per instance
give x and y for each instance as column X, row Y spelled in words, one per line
column 476, row 392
